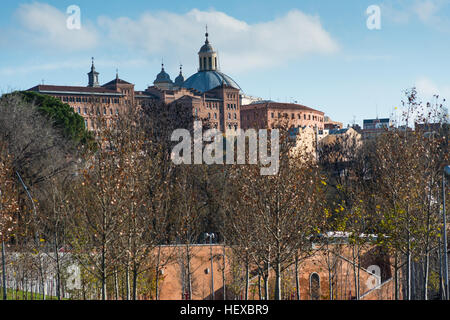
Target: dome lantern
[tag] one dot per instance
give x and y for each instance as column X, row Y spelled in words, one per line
column 207, row 56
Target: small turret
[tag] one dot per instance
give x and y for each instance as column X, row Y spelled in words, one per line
column 93, row 76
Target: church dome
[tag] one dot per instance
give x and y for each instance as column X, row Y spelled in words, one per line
column 206, row 80
column 206, row 48
column 163, row 77
column 180, row 79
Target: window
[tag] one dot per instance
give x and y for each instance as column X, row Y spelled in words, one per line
column 272, row 115
column 85, row 110
column 104, row 111
column 209, row 115
column 314, row 286
column 215, row 115
column 299, row 116
column 86, row 123
column 229, row 116
column 210, row 63
column 292, row 116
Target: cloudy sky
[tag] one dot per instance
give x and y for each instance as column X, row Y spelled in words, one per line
column 319, row 53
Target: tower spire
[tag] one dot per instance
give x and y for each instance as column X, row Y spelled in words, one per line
column 93, row 76
column 206, row 35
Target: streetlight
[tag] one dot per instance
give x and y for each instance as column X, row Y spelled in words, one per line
column 211, row 236
column 445, row 175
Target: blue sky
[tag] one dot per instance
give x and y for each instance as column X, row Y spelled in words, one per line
column 319, row 53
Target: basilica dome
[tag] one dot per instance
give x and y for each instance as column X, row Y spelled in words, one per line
column 208, row 76
column 163, row 77
column 209, row 79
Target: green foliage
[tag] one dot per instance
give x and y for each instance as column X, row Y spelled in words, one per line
column 62, row 116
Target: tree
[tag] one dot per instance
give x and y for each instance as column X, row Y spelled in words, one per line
column 281, row 213
column 8, row 206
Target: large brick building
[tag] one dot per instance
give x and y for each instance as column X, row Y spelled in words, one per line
column 266, row 114
column 209, row 93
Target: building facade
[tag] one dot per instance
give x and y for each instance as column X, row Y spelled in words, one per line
column 209, row 93
column 266, row 114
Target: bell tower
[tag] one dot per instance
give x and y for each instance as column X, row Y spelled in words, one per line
column 93, row 76
column 207, row 56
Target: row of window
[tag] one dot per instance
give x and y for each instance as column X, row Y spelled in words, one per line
column 234, row 117
column 215, row 115
column 90, row 100
column 232, row 126
column 231, row 95
column 299, row 116
column 91, row 111
column 231, row 106
column 210, row 105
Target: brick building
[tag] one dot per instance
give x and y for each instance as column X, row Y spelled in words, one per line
column 210, row 94
column 265, row 114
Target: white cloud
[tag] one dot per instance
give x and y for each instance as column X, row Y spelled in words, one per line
column 241, row 46
column 427, row 88
column 45, row 26
column 426, row 11
column 176, row 37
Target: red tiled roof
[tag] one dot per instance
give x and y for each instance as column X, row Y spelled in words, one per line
column 278, row 105
column 74, row 89
column 114, row 81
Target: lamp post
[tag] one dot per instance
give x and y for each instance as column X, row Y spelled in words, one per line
column 211, row 236
column 445, row 175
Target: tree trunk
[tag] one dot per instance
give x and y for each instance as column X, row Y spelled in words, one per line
column 277, row 280
column 396, row 289
column 223, row 274
column 247, row 278
column 135, row 275
column 116, row 284
column 158, row 259
column 127, row 281
column 58, row 269
column 103, row 273
column 259, row 287
column 4, row 271
column 189, row 282
column 355, row 273
column 297, row 280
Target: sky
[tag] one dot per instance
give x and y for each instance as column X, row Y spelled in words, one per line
column 321, row 54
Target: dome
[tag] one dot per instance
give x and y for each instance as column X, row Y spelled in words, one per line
column 179, row 80
column 206, row 80
column 206, row 48
column 163, row 77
